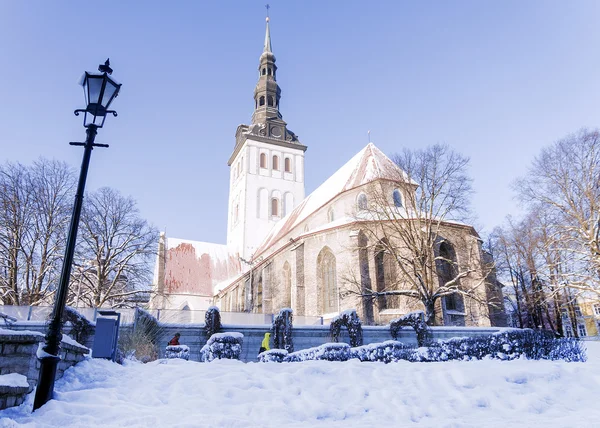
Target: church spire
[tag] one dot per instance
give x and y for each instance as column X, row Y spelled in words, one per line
column 268, row 38
column 267, row 92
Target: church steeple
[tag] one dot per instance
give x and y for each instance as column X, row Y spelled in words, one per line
column 267, row 123
column 267, row 92
column 267, row 38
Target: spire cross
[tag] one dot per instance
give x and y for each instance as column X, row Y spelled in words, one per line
column 267, row 7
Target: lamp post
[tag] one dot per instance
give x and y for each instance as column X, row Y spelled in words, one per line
column 100, row 90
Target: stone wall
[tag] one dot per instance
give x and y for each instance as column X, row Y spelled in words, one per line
column 18, row 355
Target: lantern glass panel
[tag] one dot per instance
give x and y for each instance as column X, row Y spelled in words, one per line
column 109, row 93
column 94, row 86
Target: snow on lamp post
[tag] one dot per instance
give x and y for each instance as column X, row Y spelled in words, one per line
column 100, row 90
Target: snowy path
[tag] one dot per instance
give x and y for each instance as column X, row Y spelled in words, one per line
column 352, row 394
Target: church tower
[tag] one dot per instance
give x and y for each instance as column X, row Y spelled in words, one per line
column 266, row 166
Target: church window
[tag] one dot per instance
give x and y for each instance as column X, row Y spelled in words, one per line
column 275, row 163
column 397, row 198
column 365, row 278
column 385, row 274
column 330, row 215
column 261, row 101
column 264, row 71
column 259, row 295
column 275, row 207
column 270, row 101
column 288, row 165
column 263, row 160
column 287, row 282
column 447, row 271
column 362, row 202
column 327, row 274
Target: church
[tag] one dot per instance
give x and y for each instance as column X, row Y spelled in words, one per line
column 288, row 250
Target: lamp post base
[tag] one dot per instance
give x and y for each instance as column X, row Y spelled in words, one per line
column 45, row 386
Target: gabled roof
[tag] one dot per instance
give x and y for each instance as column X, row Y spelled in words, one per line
column 366, row 166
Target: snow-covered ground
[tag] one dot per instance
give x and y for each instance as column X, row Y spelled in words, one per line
column 177, row 393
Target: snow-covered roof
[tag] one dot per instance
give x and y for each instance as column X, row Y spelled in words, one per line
column 366, row 166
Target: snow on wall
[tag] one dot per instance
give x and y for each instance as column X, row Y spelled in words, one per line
column 196, row 267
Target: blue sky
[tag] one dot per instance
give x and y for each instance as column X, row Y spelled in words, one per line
column 495, row 80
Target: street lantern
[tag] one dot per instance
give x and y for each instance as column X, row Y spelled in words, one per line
column 100, row 90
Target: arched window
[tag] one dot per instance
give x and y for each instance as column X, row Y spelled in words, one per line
column 275, row 207
column 362, row 202
column 397, row 198
column 447, row 271
column 275, row 163
column 259, row 296
column 270, row 101
column 326, row 273
column 365, row 277
column 288, row 165
column 269, row 71
column 261, row 101
column 385, row 273
column 263, row 160
column 330, row 215
column 264, row 71
column 287, row 286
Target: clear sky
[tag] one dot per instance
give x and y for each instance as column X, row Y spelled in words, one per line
column 495, row 80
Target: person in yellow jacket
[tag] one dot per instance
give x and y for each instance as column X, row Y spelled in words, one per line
column 264, row 346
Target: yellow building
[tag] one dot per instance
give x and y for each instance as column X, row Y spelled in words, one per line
column 587, row 314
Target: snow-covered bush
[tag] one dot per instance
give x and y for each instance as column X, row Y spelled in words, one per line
column 178, row 351
column 282, row 330
column 81, row 327
column 351, row 321
column 385, row 352
column 212, row 321
column 272, row 356
column 222, row 345
column 507, row 345
column 327, row 351
column 416, row 320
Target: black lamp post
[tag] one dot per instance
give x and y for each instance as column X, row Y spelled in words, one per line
column 100, row 90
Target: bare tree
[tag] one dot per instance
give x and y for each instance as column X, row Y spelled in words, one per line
column 564, row 180
column 116, row 250
column 34, row 213
column 409, row 223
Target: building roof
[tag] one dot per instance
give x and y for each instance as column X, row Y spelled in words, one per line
column 366, row 166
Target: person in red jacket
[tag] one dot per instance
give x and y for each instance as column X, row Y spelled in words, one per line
column 175, row 340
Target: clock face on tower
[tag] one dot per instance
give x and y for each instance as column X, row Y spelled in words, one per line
column 276, row 131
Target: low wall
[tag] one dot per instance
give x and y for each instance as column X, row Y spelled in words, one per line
column 304, row 337
column 18, row 350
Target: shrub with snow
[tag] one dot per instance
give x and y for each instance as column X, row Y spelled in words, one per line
column 178, row 351
column 222, row 345
column 282, row 330
column 212, row 321
column 507, row 345
column 327, row 351
column 385, row 352
column 416, row 320
column 351, row 321
column 272, row 356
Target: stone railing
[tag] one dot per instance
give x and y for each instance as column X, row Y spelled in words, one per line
column 18, row 355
